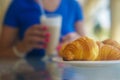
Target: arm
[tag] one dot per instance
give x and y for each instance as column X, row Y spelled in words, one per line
column 78, row 23
column 80, row 31
column 9, row 32
column 7, row 41
column 34, row 35
column 79, row 20
column 79, row 27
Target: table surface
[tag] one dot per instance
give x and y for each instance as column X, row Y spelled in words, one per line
column 20, row 69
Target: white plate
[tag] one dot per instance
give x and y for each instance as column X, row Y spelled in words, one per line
column 88, row 63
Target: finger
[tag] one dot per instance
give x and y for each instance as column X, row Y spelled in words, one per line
column 39, row 33
column 39, row 27
column 43, row 33
column 40, row 46
column 65, row 38
column 34, row 45
column 35, row 39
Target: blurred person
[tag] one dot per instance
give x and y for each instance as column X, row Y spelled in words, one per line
column 22, row 29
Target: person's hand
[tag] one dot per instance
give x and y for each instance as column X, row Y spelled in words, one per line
column 36, row 36
column 70, row 37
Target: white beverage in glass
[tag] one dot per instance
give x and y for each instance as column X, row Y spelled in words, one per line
column 54, row 23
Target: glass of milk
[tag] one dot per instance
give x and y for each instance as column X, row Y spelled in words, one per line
column 54, row 23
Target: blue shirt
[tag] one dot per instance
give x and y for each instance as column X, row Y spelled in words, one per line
column 22, row 14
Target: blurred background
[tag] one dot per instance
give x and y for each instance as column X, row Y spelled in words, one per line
column 102, row 19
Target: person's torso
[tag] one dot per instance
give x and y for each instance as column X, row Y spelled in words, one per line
column 29, row 14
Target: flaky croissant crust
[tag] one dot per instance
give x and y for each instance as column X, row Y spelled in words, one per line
column 85, row 48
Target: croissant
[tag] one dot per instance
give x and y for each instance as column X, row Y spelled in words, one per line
column 87, row 49
column 108, row 52
column 83, row 48
column 112, row 43
column 61, row 50
column 100, row 44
